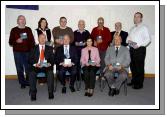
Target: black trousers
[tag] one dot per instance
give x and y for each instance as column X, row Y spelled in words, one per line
column 137, row 65
column 33, row 79
column 62, row 72
column 90, row 76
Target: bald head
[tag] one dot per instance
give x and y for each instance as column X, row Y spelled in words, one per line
column 118, row 26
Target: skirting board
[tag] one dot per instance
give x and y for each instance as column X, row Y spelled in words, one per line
column 12, row 77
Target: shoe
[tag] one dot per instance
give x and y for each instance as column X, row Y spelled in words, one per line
column 130, row 84
column 90, row 94
column 64, row 90
column 116, row 91
column 23, row 86
column 72, row 89
column 137, row 87
column 86, row 94
column 111, row 92
column 33, row 97
column 51, row 96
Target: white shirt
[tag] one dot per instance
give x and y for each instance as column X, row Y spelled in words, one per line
column 139, row 34
column 36, row 36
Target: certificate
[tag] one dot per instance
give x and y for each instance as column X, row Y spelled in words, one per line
column 67, row 61
column 23, row 36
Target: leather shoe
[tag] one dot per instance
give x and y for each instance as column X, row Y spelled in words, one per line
column 33, row 97
column 130, row 84
column 72, row 89
column 86, row 93
column 90, row 94
column 51, row 96
column 137, row 87
column 64, row 90
column 111, row 92
column 23, row 86
column 116, row 91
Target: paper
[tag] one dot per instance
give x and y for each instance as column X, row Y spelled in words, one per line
column 99, row 38
column 23, row 36
column 67, row 61
column 91, row 62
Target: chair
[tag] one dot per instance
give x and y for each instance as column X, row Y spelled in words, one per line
column 104, row 81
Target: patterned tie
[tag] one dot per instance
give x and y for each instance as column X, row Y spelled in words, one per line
column 42, row 54
column 116, row 34
column 66, row 52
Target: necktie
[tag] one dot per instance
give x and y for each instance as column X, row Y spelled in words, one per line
column 42, row 54
column 116, row 51
column 66, row 52
column 89, row 54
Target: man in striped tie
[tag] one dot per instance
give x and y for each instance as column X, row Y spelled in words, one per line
column 41, row 59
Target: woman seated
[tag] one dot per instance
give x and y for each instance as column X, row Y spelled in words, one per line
column 90, row 62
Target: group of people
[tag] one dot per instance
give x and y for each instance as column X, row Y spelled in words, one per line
column 79, row 51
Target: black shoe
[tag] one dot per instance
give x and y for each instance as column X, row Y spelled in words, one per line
column 51, row 96
column 23, row 86
column 90, row 94
column 111, row 92
column 72, row 89
column 64, row 90
column 137, row 87
column 33, row 97
column 130, row 84
column 116, row 91
column 86, row 93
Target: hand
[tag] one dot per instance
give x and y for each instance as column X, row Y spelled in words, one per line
column 95, row 43
column 38, row 65
column 76, row 43
column 61, row 42
column 65, row 65
column 110, row 67
column 129, row 41
column 49, row 65
column 99, row 41
column 69, row 65
column 136, row 46
column 19, row 40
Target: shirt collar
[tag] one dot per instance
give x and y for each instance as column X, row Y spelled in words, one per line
column 41, row 46
column 67, row 46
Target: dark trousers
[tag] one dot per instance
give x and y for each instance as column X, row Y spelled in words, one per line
column 90, row 76
column 21, row 62
column 33, row 79
column 62, row 74
column 102, row 62
column 137, row 65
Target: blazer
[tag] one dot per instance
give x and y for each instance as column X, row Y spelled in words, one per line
column 123, row 35
column 35, row 54
column 59, row 55
column 94, row 56
column 123, row 56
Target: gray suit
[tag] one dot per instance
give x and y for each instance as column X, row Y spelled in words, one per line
column 123, row 58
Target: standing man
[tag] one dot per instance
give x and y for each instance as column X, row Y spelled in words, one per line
column 41, row 59
column 22, row 41
column 138, row 39
column 119, row 32
column 102, row 37
column 59, row 32
column 80, row 37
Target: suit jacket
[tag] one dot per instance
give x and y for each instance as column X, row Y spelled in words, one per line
column 94, row 56
column 35, row 54
column 123, row 56
column 59, row 55
column 123, row 35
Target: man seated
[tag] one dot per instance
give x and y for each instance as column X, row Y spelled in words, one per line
column 41, row 59
column 66, row 60
column 117, row 60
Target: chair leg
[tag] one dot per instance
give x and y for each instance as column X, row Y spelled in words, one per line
column 125, row 87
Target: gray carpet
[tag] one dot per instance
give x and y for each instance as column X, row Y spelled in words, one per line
column 14, row 95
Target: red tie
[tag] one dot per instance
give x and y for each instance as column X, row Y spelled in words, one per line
column 42, row 54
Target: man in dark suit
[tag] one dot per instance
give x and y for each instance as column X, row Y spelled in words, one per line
column 41, row 59
column 66, row 60
column 119, row 32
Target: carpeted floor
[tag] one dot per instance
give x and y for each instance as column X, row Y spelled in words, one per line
column 14, row 95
